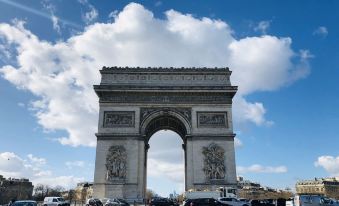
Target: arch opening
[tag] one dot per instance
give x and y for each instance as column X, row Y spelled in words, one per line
column 165, row 128
column 165, row 163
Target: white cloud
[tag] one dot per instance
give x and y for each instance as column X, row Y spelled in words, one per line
column 173, row 171
column 20, row 104
column 36, row 160
column 50, row 8
column 321, row 31
column 91, row 15
column 113, row 14
column 70, row 164
column 247, row 111
column 62, row 74
column 256, row 168
column 262, row 26
column 237, row 142
column 329, row 163
column 12, row 165
column 55, row 21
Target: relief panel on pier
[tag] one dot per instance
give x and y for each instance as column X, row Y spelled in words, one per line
column 119, row 119
column 212, row 119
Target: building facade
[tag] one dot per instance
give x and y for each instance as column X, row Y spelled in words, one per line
column 328, row 187
column 11, row 188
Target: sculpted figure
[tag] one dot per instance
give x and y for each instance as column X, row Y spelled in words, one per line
column 214, row 167
column 116, row 163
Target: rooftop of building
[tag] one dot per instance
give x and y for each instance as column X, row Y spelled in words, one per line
column 319, row 181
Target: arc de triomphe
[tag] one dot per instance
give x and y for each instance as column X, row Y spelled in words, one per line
column 135, row 103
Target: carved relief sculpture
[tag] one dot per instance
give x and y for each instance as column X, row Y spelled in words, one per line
column 214, row 167
column 118, row 119
column 212, row 119
column 116, row 162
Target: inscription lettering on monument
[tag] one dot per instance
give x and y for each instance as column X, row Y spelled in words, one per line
column 212, row 119
column 119, row 119
column 167, row 78
column 214, row 167
column 116, row 163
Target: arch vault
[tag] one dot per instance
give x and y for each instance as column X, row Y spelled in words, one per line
column 135, row 103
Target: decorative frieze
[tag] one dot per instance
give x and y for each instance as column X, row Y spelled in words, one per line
column 116, row 163
column 119, row 119
column 214, row 166
column 212, row 119
column 169, row 98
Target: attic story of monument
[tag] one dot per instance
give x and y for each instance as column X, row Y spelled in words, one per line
column 136, row 102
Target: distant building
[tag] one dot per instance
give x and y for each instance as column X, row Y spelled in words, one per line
column 83, row 191
column 253, row 190
column 12, row 188
column 319, row 186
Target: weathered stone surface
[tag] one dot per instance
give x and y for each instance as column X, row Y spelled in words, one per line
column 136, row 102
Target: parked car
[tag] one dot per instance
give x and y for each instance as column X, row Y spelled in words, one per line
column 112, row 202
column 93, row 202
column 204, row 202
column 261, row 203
column 25, row 203
column 163, row 202
column 55, row 201
column 233, row 201
column 123, row 202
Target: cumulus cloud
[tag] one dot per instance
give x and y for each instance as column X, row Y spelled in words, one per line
column 321, row 31
column 329, row 163
column 256, row 168
column 61, row 74
column 32, row 167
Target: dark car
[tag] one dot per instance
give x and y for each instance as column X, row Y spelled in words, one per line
column 162, row 202
column 123, row 202
column 261, row 203
column 204, row 202
column 24, row 203
column 94, row 202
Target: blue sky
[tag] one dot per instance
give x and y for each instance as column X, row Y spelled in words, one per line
column 284, row 57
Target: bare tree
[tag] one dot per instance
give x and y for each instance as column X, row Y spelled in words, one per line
column 150, row 194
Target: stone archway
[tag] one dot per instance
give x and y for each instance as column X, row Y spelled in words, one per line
column 157, row 119
column 137, row 102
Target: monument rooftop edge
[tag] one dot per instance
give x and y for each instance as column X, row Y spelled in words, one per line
column 127, row 69
column 161, row 78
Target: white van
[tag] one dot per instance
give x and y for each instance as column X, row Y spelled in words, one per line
column 55, row 201
column 313, row 200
